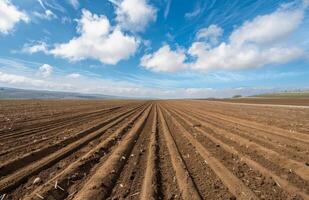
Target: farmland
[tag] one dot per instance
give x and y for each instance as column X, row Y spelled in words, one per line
column 173, row 149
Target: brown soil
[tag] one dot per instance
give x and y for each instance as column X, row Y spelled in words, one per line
column 272, row 101
column 189, row 149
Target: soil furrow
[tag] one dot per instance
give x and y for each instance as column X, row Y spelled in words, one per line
column 232, row 182
column 289, row 119
column 184, row 180
column 100, row 184
column 277, row 183
column 33, row 128
column 293, row 153
column 290, row 165
column 297, row 137
column 15, row 164
column 55, row 138
column 48, row 158
column 149, row 190
column 156, row 149
column 71, row 176
column 167, row 185
column 53, row 127
column 129, row 183
column 207, row 182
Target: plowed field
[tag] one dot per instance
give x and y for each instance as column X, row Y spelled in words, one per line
column 186, row 149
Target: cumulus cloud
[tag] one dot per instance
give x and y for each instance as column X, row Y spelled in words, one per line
column 210, row 34
column 134, row 15
column 10, row 15
column 97, row 40
column 227, row 56
column 46, row 70
column 165, row 60
column 35, row 48
column 256, row 43
column 47, row 15
column 268, row 28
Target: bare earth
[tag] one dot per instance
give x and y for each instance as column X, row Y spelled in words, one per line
column 271, row 101
column 177, row 149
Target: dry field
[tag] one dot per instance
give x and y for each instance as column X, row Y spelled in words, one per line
column 273, row 101
column 186, row 149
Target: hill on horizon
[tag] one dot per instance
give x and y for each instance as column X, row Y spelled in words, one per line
column 15, row 93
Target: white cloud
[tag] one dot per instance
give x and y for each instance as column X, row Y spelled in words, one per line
column 194, row 13
column 52, row 4
column 10, row 16
column 167, row 8
column 134, row 15
column 20, row 74
column 256, row 43
column 65, row 20
column 74, row 75
column 47, row 15
column 165, row 60
column 35, row 48
column 27, row 82
column 268, row 28
column 210, row 34
column 227, row 56
column 74, row 3
column 123, row 89
column 42, row 4
column 46, row 70
column 97, row 40
column 198, row 10
column 15, row 79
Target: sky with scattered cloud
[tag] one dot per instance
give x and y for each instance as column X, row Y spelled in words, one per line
column 155, row 48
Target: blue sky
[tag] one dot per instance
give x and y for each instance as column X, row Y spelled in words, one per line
column 155, row 48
